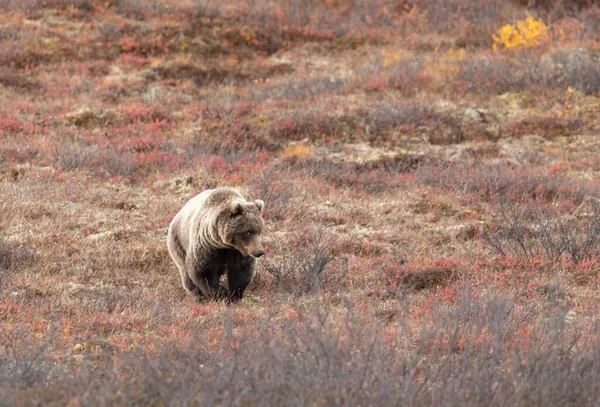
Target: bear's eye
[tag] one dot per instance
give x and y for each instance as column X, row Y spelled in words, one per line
column 249, row 234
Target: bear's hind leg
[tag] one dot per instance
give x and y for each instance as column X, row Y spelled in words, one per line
column 178, row 255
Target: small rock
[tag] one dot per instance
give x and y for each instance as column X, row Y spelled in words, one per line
column 154, row 94
column 86, row 117
column 161, row 184
column 71, row 286
column 477, row 115
column 80, row 347
column 108, row 235
column 68, row 205
column 570, row 317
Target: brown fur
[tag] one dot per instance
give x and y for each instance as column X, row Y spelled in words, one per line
column 217, row 232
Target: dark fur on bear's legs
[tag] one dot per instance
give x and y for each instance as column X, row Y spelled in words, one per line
column 205, row 273
column 201, row 276
column 240, row 271
column 189, row 285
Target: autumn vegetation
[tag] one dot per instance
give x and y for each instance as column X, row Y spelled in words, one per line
column 430, row 173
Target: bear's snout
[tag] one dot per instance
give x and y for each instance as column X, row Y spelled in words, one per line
column 258, row 253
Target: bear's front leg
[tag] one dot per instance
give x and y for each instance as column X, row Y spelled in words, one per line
column 206, row 277
column 240, row 273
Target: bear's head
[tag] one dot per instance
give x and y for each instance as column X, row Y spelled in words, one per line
column 242, row 227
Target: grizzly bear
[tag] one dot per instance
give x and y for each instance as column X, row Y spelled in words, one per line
column 217, row 232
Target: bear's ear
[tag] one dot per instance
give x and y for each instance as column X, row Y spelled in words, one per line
column 236, row 208
column 260, row 204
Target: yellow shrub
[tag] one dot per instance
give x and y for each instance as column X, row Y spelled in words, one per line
column 392, row 58
column 529, row 33
column 298, row 151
